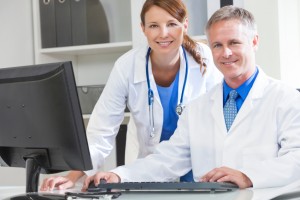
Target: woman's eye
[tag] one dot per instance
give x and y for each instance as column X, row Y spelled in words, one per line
column 152, row 26
column 172, row 24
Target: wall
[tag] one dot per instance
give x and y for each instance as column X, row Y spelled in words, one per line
column 16, row 39
column 289, row 36
column 266, row 15
column 279, row 29
column 16, row 35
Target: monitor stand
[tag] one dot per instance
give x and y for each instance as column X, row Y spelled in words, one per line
column 34, row 163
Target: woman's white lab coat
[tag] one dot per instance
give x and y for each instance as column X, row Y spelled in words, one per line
column 263, row 142
column 127, row 85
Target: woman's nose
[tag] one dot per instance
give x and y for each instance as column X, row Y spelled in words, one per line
column 164, row 31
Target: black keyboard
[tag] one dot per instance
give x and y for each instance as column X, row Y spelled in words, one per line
column 164, row 186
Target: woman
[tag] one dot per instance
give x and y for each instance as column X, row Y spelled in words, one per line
column 155, row 82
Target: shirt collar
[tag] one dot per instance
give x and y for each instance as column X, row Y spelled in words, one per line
column 243, row 90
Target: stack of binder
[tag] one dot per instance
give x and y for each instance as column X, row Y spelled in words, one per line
column 72, row 22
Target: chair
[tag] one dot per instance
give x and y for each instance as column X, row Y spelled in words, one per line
column 121, row 145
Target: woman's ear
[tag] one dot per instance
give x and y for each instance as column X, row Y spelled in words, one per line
column 143, row 27
column 185, row 25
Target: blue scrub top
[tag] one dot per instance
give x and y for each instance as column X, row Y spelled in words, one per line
column 169, row 98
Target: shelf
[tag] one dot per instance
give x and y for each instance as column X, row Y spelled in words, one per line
column 86, row 118
column 106, row 48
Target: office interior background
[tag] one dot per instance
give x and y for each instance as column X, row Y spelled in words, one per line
column 278, row 54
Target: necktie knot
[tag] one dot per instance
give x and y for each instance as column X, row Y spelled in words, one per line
column 233, row 95
column 230, row 109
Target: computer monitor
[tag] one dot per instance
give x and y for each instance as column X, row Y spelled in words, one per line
column 41, row 123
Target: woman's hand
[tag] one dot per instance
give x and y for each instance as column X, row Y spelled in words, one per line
column 61, row 182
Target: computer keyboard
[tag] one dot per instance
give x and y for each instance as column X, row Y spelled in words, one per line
column 164, row 186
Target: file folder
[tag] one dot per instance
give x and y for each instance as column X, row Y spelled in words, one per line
column 47, row 21
column 72, row 22
column 63, row 23
column 226, row 2
column 89, row 23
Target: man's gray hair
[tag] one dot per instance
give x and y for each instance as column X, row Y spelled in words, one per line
column 233, row 13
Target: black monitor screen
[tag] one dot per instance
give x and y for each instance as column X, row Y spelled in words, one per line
column 41, row 122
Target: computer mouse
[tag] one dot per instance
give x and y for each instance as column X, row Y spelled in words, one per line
column 102, row 181
column 92, row 186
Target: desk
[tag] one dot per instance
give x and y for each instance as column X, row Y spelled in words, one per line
column 247, row 194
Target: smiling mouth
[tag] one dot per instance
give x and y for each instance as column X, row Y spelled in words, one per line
column 164, row 43
column 229, row 63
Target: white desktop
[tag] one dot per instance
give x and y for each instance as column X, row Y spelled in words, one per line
column 291, row 191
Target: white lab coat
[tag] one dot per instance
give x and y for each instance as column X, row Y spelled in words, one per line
column 127, row 85
column 263, row 142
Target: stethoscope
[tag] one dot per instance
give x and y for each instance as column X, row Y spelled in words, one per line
column 179, row 107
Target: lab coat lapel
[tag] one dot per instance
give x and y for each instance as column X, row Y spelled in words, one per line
column 252, row 99
column 182, row 72
column 193, row 66
column 140, row 67
column 216, row 100
column 140, row 73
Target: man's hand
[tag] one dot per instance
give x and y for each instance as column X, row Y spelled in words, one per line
column 109, row 177
column 225, row 174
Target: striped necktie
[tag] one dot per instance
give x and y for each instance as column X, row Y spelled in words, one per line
column 230, row 109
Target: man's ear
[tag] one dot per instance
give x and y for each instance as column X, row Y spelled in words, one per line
column 255, row 42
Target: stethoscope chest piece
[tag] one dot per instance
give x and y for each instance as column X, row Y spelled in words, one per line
column 179, row 109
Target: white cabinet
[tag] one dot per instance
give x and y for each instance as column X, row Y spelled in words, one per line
column 93, row 63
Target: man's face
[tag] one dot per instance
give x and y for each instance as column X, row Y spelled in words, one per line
column 233, row 47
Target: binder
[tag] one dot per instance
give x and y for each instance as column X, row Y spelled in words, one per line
column 63, row 23
column 226, row 2
column 72, row 22
column 47, row 21
column 89, row 23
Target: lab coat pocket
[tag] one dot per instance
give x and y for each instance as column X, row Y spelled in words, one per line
column 259, row 153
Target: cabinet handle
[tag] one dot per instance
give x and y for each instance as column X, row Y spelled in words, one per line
column 61, row 1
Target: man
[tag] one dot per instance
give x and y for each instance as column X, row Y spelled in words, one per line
column 262, row 146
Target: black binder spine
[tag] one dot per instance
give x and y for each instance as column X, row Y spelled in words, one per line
column 73, row 22
column 63, row 23
column 78, row 19
column 226, row 2
column 89, row 23
column 48, row 26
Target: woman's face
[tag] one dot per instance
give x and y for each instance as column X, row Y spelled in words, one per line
column 164, row 32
